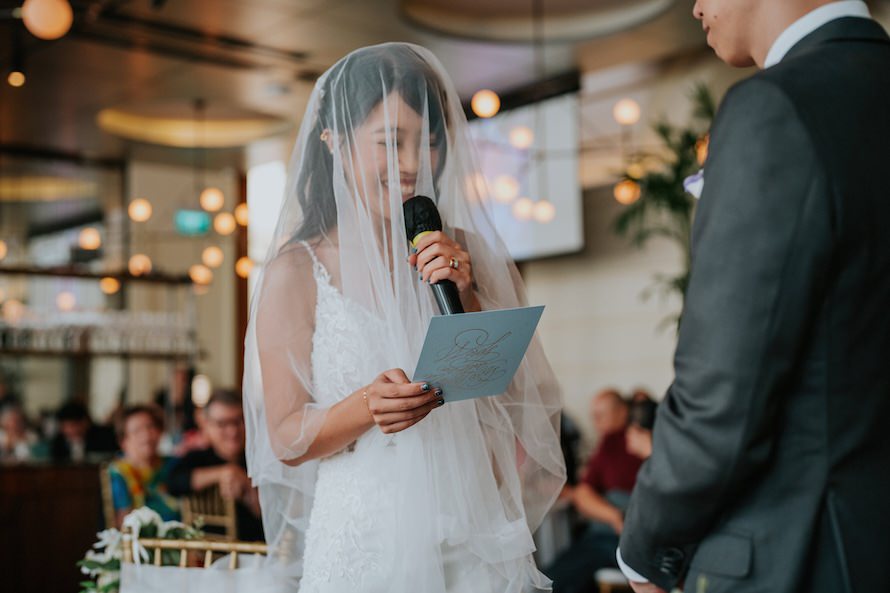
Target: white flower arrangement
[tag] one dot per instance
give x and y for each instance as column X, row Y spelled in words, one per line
column 102, row 563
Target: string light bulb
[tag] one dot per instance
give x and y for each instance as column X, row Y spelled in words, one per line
column 241, row 214
column 544, row 211
column 627, row 192
column 109, row 285
column 626, row 112
column 212, row 256
column 224, row 223
column 485, row 103
column 16, row 79
column 139, row 210
column 139, row 264
column 89, row 239
column 523, row 209
column 47, row 19
column 66, row 301
column 506, row 188
column 521, row 137
column 243, row 266
column 701, row 149
column 201, row 274
column 212, row 199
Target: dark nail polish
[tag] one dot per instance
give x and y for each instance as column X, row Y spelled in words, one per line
column 438, row 392
column 441, row 402
column 425, row 386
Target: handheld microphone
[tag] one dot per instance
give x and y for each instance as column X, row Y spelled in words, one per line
column 422, row 217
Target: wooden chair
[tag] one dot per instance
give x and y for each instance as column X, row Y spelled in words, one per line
column 184, row 547
column 107, row 499
column 212, row 509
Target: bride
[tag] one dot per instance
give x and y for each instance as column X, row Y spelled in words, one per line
column 370, row 482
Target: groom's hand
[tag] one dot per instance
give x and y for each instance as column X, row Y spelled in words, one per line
column 395, row 403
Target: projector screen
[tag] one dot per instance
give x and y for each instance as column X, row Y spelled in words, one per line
column 529, row 157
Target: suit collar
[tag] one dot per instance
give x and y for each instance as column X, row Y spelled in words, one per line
column 843, row 29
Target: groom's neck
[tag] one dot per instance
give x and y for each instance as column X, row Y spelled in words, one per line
column 773, row 18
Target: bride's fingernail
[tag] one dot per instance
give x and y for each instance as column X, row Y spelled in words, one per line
column 438, row 392
column 440, row 402
column 425, row 386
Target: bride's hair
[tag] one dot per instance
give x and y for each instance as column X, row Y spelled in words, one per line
column 349, row 93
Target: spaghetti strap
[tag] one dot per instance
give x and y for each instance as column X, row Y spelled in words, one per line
column 317, row 266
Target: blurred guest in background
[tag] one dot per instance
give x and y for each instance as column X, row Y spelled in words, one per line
column 178, row 408
column 222, row 464
column 78, row 437
column 139, row 478
column 17, row 441
column 600, row 497
column 193, row 438
column 639, row 428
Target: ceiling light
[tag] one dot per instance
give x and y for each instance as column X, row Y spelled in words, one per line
column 212, row 199
column 224, row 223
column 626, row 112
column 627, row 192
column 485, row 103
column 89, row 239
column 212, row 256
column 47, row 19
column 243, row 266
column 139, row 264
column 139, row 210
column 521, row 137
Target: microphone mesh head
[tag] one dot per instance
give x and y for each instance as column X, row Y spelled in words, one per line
column 421, row 215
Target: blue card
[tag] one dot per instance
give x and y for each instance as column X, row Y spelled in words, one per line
column 476, row 354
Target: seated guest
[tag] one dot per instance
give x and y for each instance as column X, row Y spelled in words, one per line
column 639, row 428
column 600, row 497
column 17, row 441
column 78, row 437
column 139, row 478
column 222, row 464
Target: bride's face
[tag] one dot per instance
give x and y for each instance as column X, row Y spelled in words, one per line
column 393, row 128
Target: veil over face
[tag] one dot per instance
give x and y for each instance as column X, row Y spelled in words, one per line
column 382, row 125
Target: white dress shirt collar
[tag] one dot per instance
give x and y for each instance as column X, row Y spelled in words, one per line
column 809, row 23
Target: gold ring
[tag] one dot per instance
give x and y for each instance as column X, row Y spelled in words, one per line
column 454, row 263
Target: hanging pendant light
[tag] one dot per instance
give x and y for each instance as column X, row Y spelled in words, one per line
column 485, row 103
column 47, row 19
column 211, row 199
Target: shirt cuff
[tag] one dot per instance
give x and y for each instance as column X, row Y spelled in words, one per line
column 630, row 573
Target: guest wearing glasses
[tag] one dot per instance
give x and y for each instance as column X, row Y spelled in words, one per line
column 222, row 464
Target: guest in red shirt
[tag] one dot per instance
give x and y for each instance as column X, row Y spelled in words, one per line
column 612, row 471
column 600, row 497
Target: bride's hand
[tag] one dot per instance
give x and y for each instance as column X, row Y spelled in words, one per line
column 396, row 404
column 439, row 257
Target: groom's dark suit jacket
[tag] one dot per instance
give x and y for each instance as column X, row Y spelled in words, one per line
column 770, row 470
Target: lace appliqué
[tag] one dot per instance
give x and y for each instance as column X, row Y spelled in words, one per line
column 343, row 544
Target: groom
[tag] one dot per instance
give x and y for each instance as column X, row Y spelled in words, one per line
column 770, row 469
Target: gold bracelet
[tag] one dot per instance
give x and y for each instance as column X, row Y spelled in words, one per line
column 367, row 403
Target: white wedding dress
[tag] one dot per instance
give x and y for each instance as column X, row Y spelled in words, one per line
column 354, row 524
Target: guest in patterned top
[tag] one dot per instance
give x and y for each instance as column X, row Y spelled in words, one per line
column 140, row 477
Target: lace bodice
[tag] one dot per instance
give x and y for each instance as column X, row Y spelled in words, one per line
column 342, row 355
column 343, row 546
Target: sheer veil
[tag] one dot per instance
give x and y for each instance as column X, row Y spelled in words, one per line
column 477, row 474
